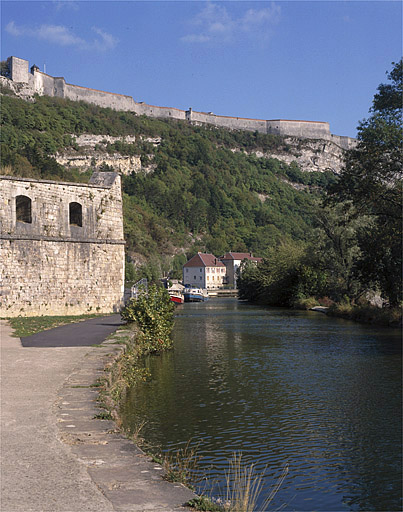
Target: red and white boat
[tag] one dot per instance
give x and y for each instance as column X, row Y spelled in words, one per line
column 176, row 296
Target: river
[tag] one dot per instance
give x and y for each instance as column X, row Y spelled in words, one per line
column 322, row 395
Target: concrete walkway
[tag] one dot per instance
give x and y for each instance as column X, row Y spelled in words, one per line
column 55, row 457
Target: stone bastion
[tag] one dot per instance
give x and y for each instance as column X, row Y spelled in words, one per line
column 61, row 246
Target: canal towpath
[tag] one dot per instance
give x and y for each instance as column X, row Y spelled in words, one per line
column 55, row 456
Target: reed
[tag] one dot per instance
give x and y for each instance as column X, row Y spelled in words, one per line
column 182, row 466
column 245, row 486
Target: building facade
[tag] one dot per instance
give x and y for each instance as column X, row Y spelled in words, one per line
column 61, row 246
column 204, row 271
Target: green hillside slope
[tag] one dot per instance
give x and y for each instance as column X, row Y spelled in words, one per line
column 206, row 191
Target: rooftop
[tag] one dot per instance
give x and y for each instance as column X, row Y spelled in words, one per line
column 239, row 256
column 204, row 260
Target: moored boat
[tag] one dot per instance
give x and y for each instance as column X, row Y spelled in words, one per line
column 195, row 294
column 176, row 296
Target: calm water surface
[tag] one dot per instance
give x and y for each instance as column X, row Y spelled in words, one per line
column 321, row 394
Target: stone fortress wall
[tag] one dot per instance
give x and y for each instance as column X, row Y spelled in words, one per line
column 44, row 84
column 61, row 246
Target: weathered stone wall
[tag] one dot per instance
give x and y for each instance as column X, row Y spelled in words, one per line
column 101, row 98
column 159, row 112
column 237, row 123
column 304, row 129
column 18, row 70
column 50, row 266
column 46, row 85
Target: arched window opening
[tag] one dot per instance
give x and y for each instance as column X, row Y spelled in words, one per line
column 76, row 214
column 23, row 208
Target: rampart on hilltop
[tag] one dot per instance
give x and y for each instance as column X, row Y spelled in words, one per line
column 46, row 85
column 61, row 246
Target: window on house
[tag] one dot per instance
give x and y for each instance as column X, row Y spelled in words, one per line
column 23, row 207
column 76, row 214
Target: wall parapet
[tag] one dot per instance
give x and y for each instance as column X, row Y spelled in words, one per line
column 54, row 182
column 39, row 238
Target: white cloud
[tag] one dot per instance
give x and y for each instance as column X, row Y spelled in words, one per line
column 57, row 34
column 61, row 35
column 106, row 41
column 260, row 18
column 214, row 23
column 65, row 4
column 12, row 29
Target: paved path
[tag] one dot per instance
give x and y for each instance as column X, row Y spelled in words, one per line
column 82, row 334
column 55, row 456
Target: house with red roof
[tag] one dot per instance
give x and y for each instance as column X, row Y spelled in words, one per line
column 232, row 262
column 204, row 271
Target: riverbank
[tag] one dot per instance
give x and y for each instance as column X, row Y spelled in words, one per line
column 55, row 454
column 365, row 314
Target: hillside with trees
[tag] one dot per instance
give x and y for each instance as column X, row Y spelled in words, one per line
column 206, row 191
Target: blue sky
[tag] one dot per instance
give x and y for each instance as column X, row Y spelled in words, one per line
column 318, row 60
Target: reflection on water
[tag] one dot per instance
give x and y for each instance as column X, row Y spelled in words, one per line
column 282, row 386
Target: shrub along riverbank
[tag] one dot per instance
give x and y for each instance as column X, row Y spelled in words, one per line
column 150, row 321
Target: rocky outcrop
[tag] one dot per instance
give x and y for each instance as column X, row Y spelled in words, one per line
column 90, row 153
column 95, row 160
column 310, row 155
column 21, row 90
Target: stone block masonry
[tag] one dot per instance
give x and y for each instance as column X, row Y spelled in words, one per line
column 61, row 246
column 43, row 84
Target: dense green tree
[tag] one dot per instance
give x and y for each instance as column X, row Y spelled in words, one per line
column 281, row 278
column 336, row 248
column 5, row 68
column 372, row 179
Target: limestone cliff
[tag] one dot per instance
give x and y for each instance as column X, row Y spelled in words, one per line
column 310, row 155
column 89, row 152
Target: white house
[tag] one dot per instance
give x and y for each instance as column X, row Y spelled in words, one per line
column 232, row 261
column 204, row 271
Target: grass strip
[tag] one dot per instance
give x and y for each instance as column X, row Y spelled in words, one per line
column 26, row 326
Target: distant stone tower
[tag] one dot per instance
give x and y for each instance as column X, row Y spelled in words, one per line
column 18, row 69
